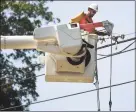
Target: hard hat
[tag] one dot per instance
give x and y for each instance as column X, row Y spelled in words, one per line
column 94, row 7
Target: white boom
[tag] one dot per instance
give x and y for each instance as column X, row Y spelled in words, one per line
column 18, row 42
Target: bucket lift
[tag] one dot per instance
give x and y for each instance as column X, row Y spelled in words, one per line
column 70, row 50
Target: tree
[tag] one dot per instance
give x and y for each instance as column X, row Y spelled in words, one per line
column 20, row 18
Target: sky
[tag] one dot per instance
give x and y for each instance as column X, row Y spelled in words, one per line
column 121, row 14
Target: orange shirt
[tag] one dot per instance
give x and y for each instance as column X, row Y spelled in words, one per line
column 86, row 20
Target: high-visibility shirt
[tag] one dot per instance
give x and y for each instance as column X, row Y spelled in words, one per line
column 85, row 19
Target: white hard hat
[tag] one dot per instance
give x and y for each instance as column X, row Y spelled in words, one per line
column 94, row 7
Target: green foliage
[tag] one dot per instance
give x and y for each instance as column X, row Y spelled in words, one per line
column 20, row 18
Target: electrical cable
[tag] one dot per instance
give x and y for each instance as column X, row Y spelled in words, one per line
column 117, row 53
column 120, row 42
column 71, row 94
column 121, row 50
column 110, row 101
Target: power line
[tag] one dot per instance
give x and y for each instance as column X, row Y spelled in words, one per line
column 110, row 101
column 116, row 37
column 116, row 53
column 121, row 50
column 125, row 34
column 128, row 46
column 118, row 43
column 72, row 94
column 131, row 33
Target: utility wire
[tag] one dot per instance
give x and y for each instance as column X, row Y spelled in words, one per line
column 108, row 45
column 121, row 50
column 128, row 46
column 131, row 33
column 116, row 53
column 125, row 34
column 110, row 101
column 71, row 94
column 103, row 39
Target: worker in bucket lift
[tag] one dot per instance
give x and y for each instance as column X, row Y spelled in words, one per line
column 83, row 18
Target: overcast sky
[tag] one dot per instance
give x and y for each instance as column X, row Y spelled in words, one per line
column 121, row 13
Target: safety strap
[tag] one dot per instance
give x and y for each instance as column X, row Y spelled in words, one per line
column 86, row 57
column 88, row 45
